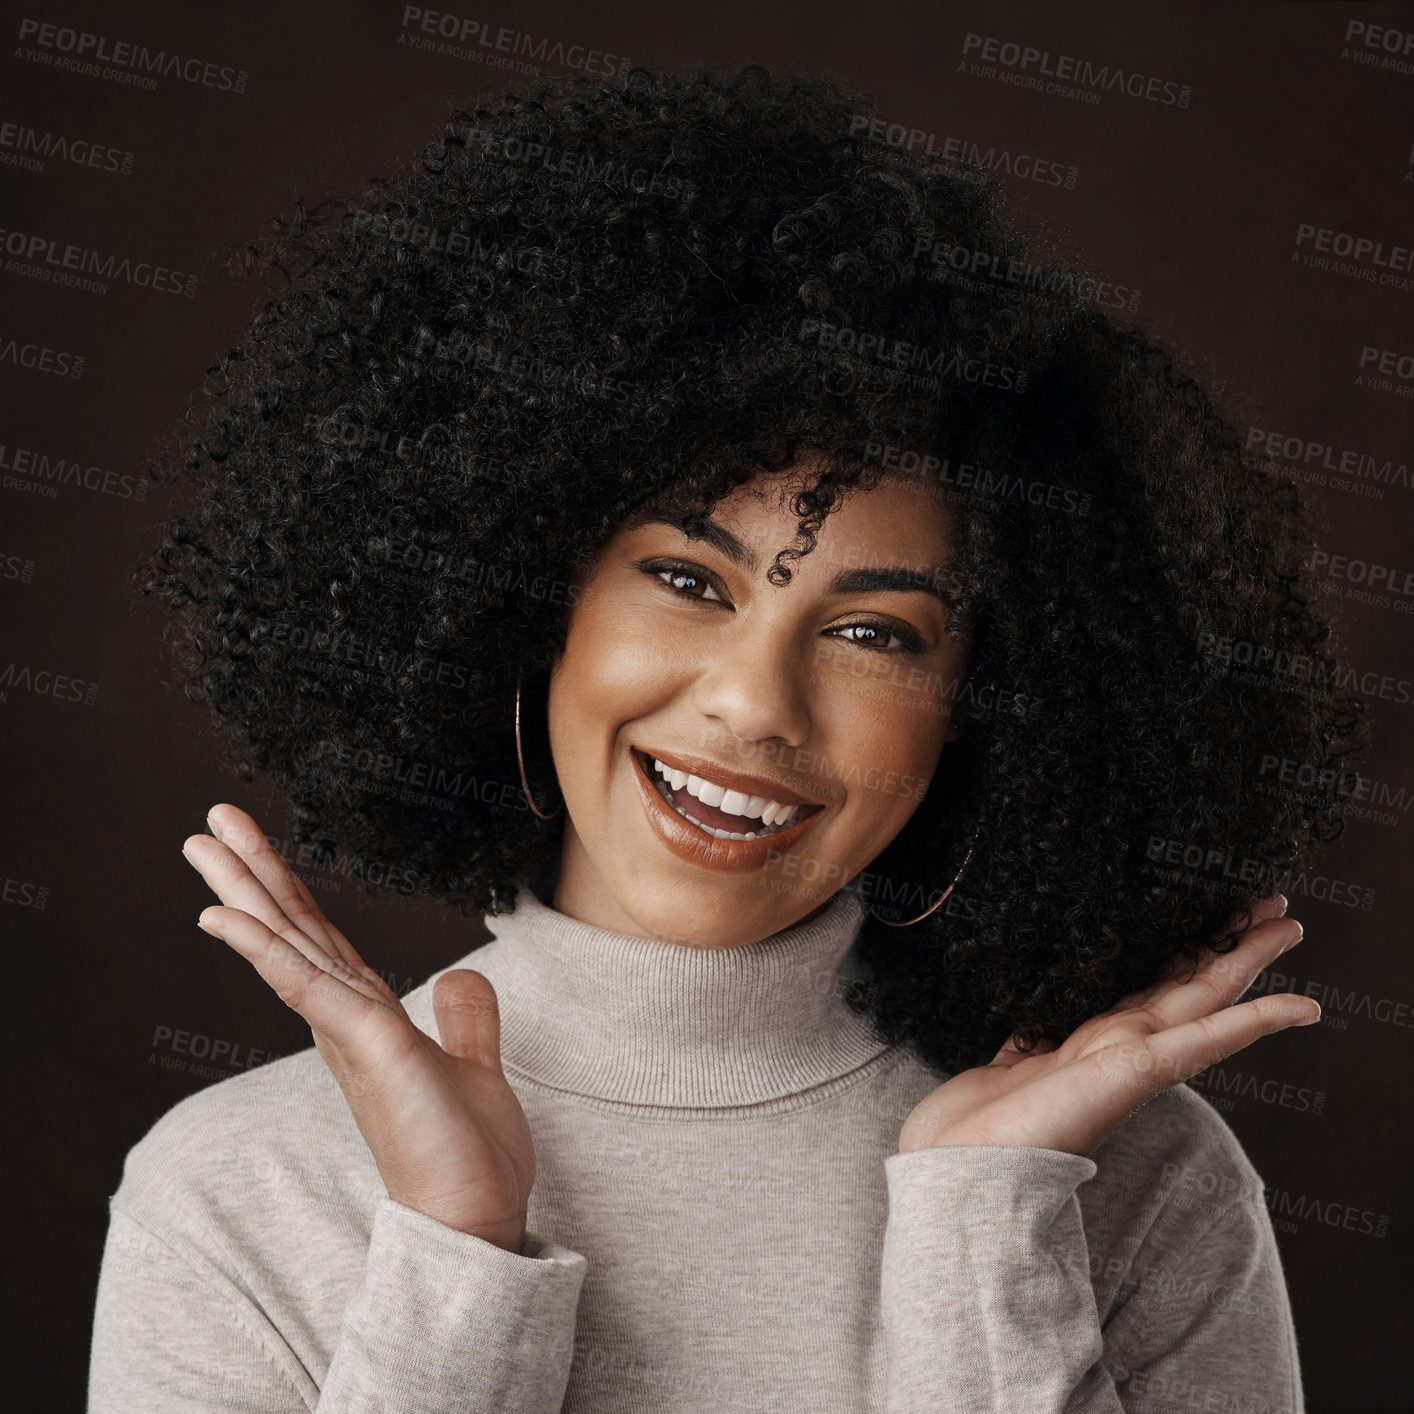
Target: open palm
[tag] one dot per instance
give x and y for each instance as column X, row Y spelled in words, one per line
column 1072, row 1097
column 443, row 1125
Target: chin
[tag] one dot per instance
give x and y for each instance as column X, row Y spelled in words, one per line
column 717, row 912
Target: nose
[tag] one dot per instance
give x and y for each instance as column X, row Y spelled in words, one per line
column 756, row 686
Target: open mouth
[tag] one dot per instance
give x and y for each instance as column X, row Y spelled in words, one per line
column 722, row 814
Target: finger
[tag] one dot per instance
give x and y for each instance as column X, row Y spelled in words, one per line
column 233, row 883
column 468, row 1017
column 331, row 1007
column 1182, row 1051
column 1254, row 911
column 231, row 879
column 235, row 828
column 346, row 948
column 1242, row 920
column 1224, row 977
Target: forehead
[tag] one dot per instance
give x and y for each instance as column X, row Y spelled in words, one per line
column 903, row 514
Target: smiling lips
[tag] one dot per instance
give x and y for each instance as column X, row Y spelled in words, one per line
column 704, row 819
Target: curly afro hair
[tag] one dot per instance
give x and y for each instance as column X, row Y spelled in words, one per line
column 587, row 296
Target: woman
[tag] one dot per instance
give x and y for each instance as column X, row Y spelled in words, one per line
column 856, row 921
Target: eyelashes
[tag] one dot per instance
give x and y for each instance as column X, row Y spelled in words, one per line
column 680, row 569
column 685, row 570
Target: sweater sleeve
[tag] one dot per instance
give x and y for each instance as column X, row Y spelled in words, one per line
column 442, row 1322
column 988, row 1302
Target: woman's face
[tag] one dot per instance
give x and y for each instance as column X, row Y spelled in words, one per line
column 832, row 695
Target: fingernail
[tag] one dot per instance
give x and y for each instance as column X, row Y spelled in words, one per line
column 204, row 928
column 1311, row 1020
column 1284, row 905
column 1300, row 934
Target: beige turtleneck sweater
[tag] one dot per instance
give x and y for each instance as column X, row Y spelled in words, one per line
column 720, row 1221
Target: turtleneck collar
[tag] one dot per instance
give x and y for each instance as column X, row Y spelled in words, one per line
column 639, row 1021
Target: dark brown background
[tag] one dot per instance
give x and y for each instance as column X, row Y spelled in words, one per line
column 1197, row 207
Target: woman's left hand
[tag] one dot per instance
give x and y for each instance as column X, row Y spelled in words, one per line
column 1073, row 1097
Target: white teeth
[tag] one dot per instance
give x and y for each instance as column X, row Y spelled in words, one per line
column 773, row 815
column 676, row 779
column 705, row 791
column 732, row 802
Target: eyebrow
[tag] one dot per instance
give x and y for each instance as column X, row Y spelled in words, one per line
column 856, row 581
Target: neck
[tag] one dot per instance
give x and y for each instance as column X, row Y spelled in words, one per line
column 578, row 890
column 617, row 1017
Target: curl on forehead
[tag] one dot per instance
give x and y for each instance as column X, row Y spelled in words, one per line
column 812, row 487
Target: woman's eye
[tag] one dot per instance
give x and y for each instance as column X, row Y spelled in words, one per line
column 685, row 580
column 690, row 581
column 879, row 636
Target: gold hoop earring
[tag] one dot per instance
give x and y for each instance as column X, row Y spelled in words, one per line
column 939, row 903
column 520, row 761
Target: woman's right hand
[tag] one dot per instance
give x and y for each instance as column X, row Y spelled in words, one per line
column 445, row 1128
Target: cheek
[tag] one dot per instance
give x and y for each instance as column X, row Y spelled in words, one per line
column 892, row 748
column 613, row 669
